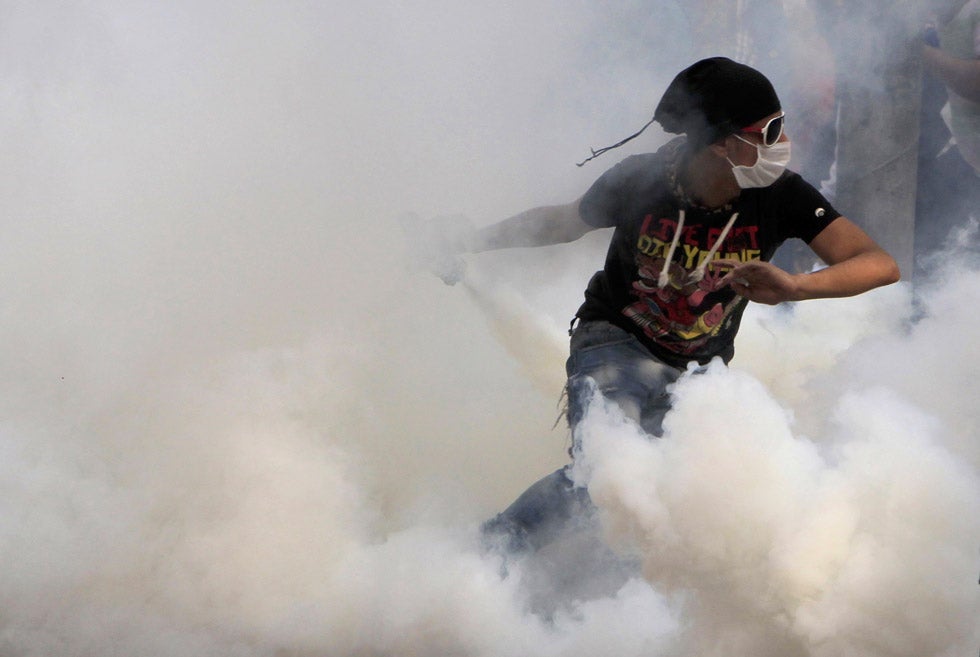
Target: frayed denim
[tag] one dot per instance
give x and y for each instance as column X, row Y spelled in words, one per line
column 623, row 370
column 604, row 357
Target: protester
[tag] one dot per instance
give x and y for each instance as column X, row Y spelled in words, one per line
column 948, row 192
column 955, row 59
column 695, row 225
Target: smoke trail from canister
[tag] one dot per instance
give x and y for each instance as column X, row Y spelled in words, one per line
column 234, row 421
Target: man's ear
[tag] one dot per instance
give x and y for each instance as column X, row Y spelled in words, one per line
column 720, row 148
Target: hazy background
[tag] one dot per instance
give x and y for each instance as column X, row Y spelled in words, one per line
column 236, row 419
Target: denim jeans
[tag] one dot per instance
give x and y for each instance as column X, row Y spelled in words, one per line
column 623, row 370
column 625, row 373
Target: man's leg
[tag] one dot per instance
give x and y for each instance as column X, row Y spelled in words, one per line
column 606, row 357
column 539, row 514
column 626, row 374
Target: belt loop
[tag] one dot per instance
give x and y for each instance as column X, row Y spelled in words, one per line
column 571, row 325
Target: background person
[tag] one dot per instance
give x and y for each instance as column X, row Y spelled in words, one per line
column 948, row 191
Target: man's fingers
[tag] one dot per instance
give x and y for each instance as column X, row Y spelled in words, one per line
column 724, row 264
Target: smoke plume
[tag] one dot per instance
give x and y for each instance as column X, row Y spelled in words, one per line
column 234, row 420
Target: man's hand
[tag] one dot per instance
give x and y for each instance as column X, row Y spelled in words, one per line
column 759, row 281
column 438, row 244
column 449, row 267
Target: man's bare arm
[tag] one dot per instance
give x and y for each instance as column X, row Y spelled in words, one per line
column 856, row 264
column 549, row 224
column 962, row 76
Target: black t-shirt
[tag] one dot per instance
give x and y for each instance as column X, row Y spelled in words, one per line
column 686, row 319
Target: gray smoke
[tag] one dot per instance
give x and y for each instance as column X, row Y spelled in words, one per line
column 234, row 421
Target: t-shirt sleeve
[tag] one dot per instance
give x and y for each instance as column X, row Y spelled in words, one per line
column 804, row 212
column 601, row 206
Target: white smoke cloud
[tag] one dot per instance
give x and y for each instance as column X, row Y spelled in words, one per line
column 858, row 539
column 233, row 421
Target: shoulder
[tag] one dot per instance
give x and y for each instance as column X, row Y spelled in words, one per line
column 791, row 190
column 637, row 168
column 795, row 206
column 646, row 166
column 633, row 177
column 790, row 183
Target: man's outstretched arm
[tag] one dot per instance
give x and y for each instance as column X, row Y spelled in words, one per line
column 549, row 224
column 962, row 76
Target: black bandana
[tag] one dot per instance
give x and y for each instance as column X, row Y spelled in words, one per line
column 714, row 98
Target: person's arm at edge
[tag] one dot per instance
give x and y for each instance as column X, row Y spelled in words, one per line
column 960, row 75
column 541, row 226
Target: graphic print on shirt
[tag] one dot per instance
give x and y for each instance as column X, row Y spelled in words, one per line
column 688, row 310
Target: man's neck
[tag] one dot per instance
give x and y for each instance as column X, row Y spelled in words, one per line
column 708, row 179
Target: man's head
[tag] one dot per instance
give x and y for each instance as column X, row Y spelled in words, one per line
column 714, row 98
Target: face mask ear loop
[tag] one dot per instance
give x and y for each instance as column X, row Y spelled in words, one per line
column 757, row 150
column 665, row 272
column 698, row 273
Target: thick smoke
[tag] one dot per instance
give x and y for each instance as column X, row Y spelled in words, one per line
column 235, row 421
column 860, row 539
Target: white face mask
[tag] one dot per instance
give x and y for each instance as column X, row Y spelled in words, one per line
column 770, row 164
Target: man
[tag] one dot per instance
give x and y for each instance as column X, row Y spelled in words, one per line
column 948, row 191
column 695, row 224
column 955, row 59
